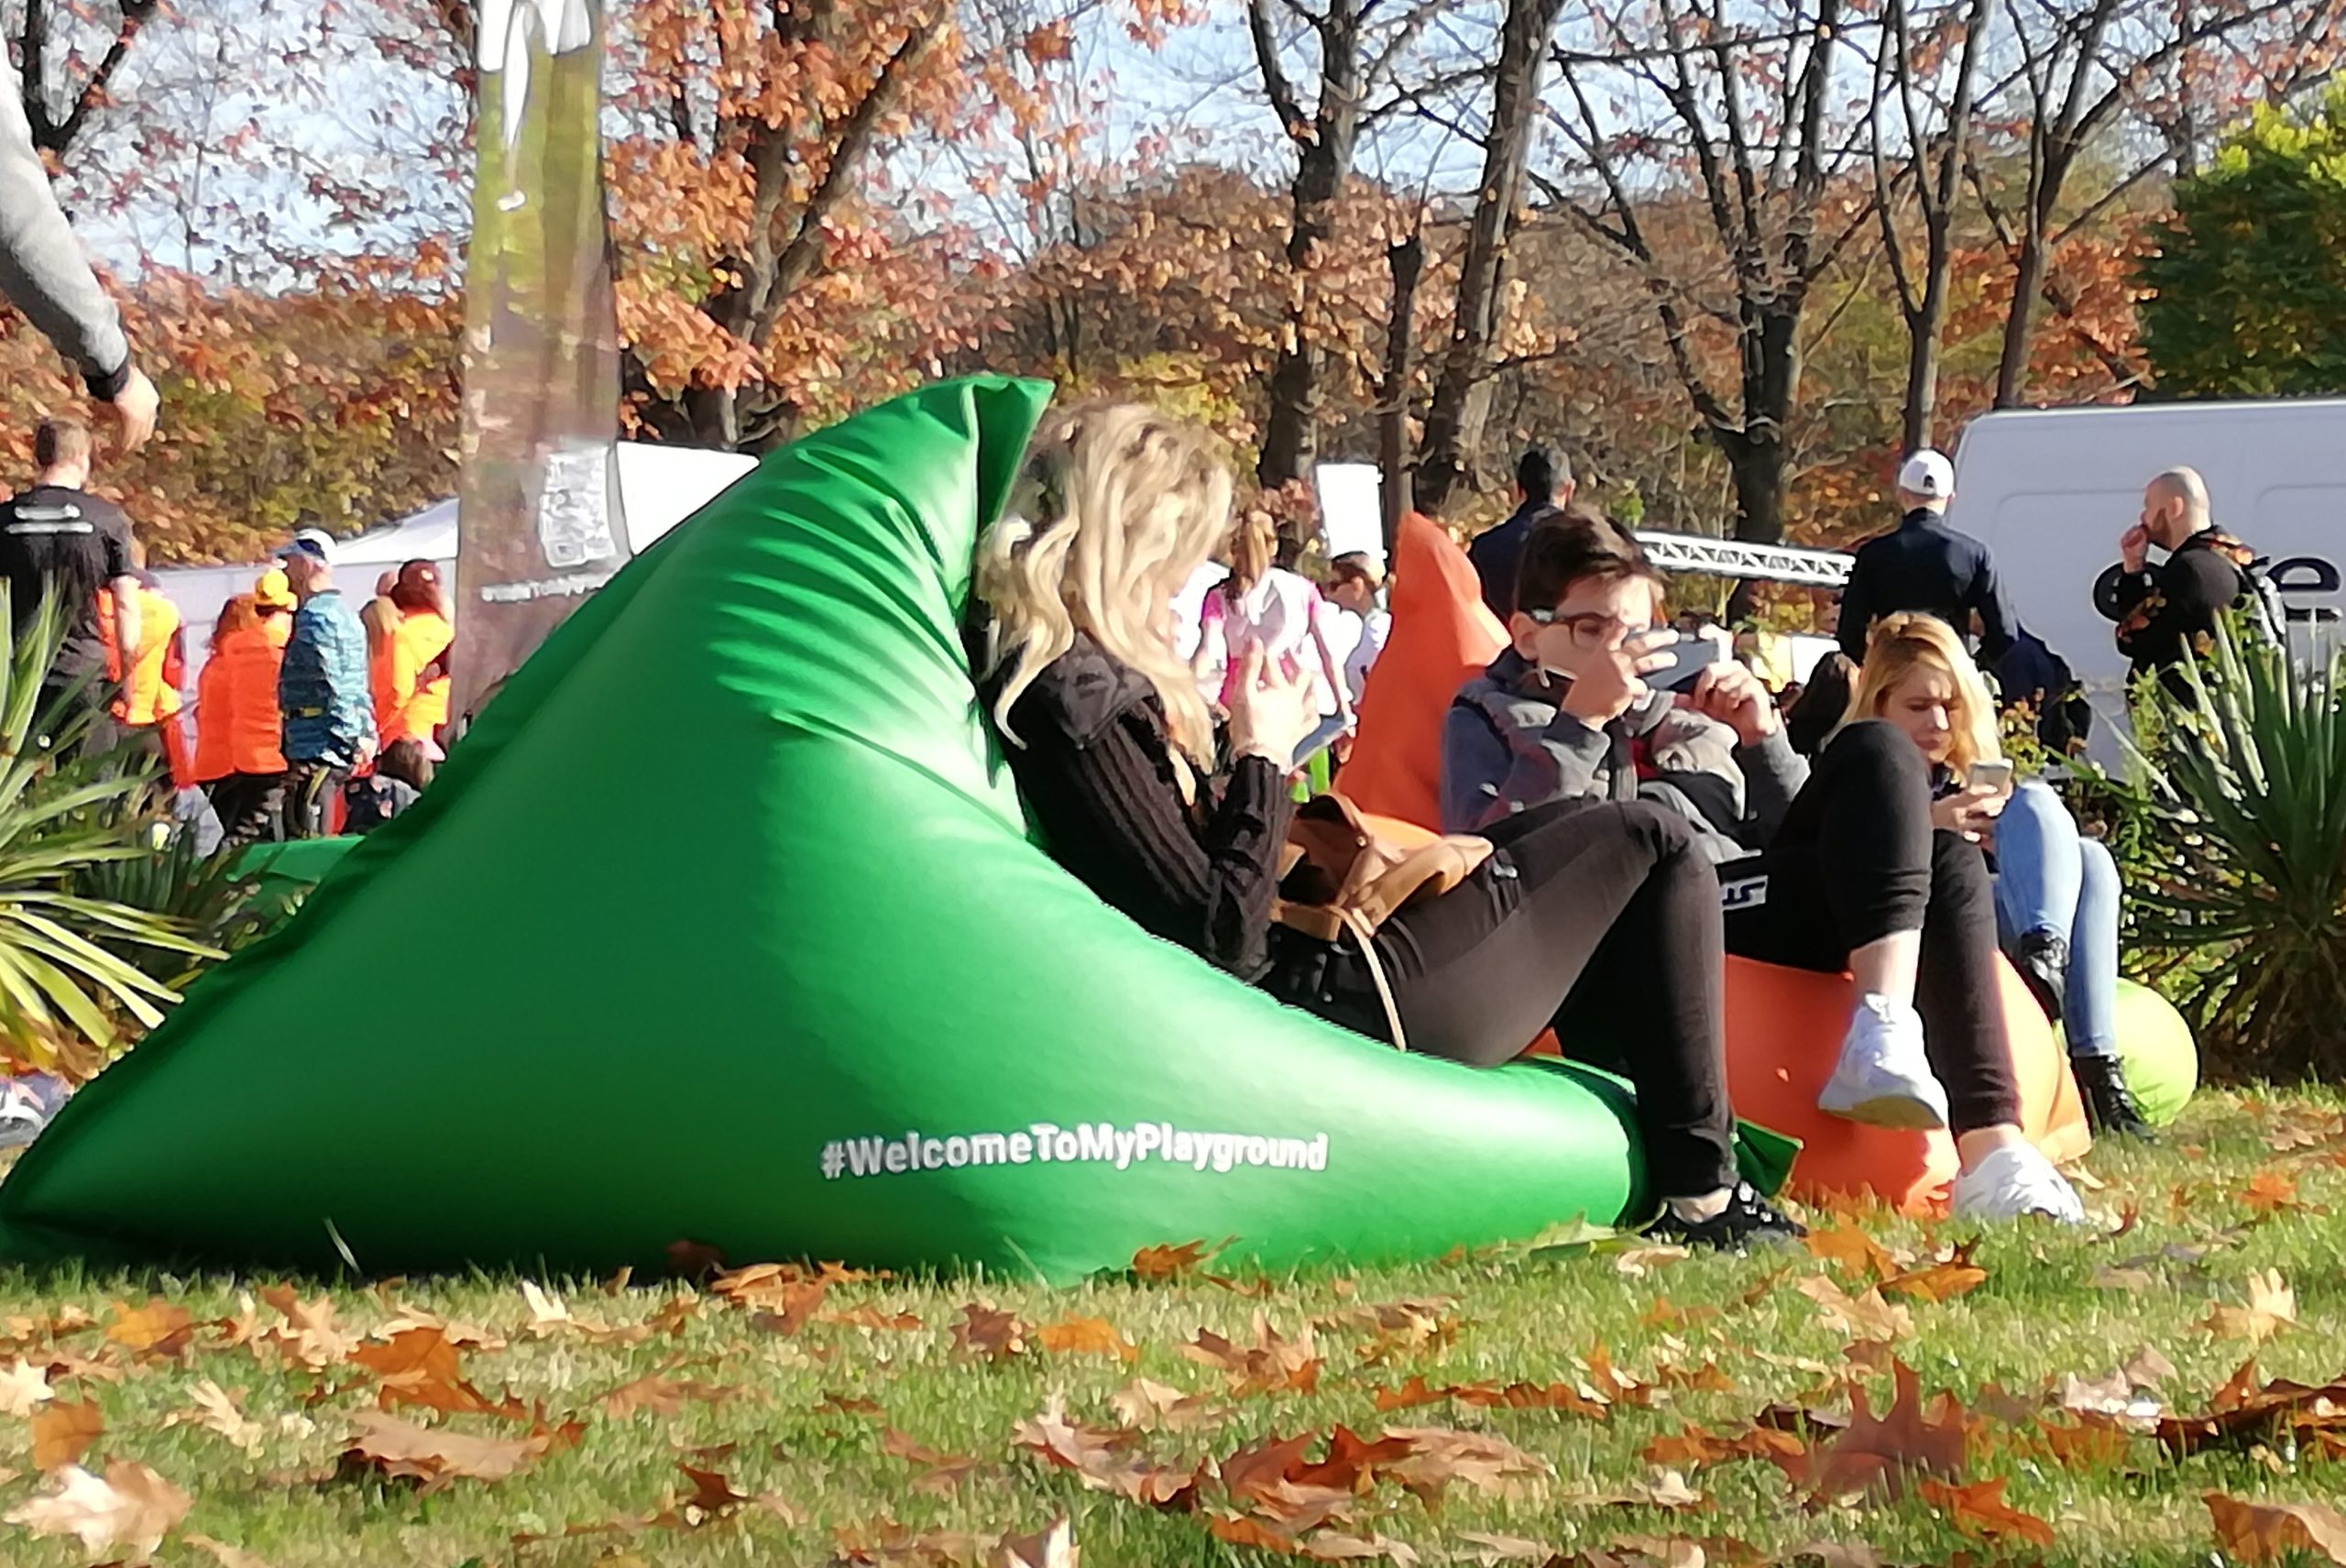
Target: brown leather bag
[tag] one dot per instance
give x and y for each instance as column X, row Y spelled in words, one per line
column 1336, row 875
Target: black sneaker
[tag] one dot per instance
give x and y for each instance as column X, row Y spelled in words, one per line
column 2043, row 959
column 2111, row 1110
column 1747, row 1217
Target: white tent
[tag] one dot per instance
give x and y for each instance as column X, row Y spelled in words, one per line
column 659, row 488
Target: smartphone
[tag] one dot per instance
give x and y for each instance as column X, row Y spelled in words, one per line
column 1996, row 776
column 1689, row 657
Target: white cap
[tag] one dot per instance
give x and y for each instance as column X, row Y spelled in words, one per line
column 320, row 543
column 1927, row 474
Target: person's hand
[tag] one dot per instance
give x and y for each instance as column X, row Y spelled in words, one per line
column 134, row 408
column 1735, row 696
column 2134, row 548
column 1970, row 812
column 366, row 753
column 1270, row 711
column 1609, row 681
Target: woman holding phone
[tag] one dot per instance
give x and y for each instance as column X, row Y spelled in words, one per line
column 1848, row 865
column 2057, row 891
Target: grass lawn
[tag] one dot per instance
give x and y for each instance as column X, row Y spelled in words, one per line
column 1558, row 1405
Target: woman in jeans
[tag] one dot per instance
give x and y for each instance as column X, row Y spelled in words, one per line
column 2057, row 891
column 1568, row 918
column 1849, row 865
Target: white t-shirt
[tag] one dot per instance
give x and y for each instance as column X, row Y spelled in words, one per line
column 1190, row 605
column 1375, row 627
column 1277, row 615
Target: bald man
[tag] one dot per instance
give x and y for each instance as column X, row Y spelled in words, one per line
column 2167, row 613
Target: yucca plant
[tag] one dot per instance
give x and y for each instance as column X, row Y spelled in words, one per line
column 2240, row 895
column 64, row 983
column 202, row 895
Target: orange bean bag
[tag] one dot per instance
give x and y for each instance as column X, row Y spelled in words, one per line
column 1782, row 1025
column 1442, row 635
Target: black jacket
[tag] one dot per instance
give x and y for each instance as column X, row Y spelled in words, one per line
column 1496, row 552
column 1926, row 565
column 2167, row 612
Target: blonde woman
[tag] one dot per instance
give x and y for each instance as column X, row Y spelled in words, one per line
column 1568, row 918
column 2058, row 893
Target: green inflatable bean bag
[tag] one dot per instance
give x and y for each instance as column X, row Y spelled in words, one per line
column 2162, row 1059
column 736, row 935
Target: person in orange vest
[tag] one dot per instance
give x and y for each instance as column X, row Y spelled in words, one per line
column 411, row 659
column 237, row 758
column 147, row 700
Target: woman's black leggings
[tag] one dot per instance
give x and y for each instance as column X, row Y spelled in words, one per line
column 1856, row 860
column 1598, row 918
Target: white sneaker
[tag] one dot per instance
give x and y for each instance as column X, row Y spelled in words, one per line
column 1883, row 1077
column 2013, row 1181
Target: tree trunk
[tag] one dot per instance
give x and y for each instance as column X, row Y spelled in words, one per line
column 1407, row 262
column 2020, row 326
column 1462, row 394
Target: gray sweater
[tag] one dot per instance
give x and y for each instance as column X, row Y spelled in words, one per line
column 1506, row 747
column 42, row 269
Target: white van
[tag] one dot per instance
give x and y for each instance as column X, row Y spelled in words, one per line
column 2050, row 490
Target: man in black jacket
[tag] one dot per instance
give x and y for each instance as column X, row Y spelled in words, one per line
column 1543, row 483
column 2168, row 614
column 1926, row 566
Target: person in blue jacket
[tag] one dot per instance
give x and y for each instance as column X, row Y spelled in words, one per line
column 322, row 688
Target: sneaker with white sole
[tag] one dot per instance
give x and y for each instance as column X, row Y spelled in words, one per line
column 2013, row 1181
column 1884, row 1078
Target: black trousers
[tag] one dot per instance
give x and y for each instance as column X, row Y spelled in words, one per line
column 310, row 785
column 1598, row 918
column 248, row 807
column 1856, row 860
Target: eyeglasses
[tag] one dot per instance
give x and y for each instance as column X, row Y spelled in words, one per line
column 1590, row 628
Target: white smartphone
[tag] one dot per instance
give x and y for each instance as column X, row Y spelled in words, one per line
column 1996, row 776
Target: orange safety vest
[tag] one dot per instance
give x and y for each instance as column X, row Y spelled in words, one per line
column 237, row 728
column 151, row 694
column 406, row 705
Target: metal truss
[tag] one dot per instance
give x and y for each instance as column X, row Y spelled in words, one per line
column 1728, row 558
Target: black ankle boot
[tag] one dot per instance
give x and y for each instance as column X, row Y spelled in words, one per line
column 2110, row 1104
column 2043, row 959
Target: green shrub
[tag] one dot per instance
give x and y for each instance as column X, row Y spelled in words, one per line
column 2230, row 828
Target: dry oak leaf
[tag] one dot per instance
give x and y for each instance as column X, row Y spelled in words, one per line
column 159, row 1328
column 660, row 1395
column 1664, row 1488
column 1053, row 1547
column 1876, row 1455
column 436, row 1456
column 1102, row 1460
column 1334, row 1546
column 781, row 1297
column 1271, row 1365
column 2245, row 1409
column 1440, row 1455
column 2271, row 1306
column 2273, row 1532
column 940, row 1472
column 24, row 1385
column 308, row 1337
column 418, row 1366
column 1979, row 1511
column 1695, row 1447
column 550, row 1315
column 1150, row 1405
column 1086, row 1336
column 1861, row 1317
column 986, row 1335
column 217, row 1410
column 1952, row 1276
column 1171, row 1262
column 1492, row 1551
column 870, row 1317
column 129, row 1505
column 1853, row 1249
column 63, row 1431
column 712, row 1493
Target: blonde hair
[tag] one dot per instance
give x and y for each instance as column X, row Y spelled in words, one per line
column 1254, row 546
column 1902, row 643
column 1116, row 506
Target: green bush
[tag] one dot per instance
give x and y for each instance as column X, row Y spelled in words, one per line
column 2230, row 828
column 66, row 985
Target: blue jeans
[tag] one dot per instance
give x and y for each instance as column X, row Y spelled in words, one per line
column 2049, row 878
